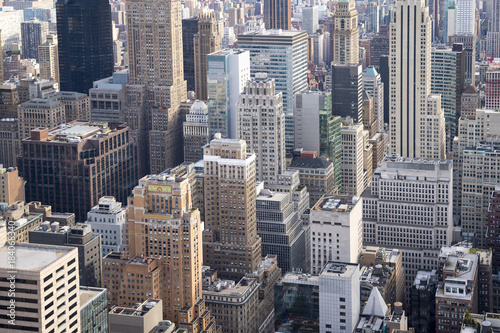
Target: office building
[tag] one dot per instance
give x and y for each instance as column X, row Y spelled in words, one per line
column 280, row 228
column 369, row 122
column 77, row 173
column 433, row 129
column 208, row 40
column 230, row 179
column 372, row 18
column 479, row 179
column 334, row 223
column 261, row 124
column 492, row 238
column 86, row 52
column 317, row 175
column 382, row 269
column 493, row 34
column 93, row 309
column 278, row 14
column 372, row 83
column 377, row 316
column 470, row 101
column 283, row 56
column 9, row 100
column 408, row 103
column 469, row 43
column 161, row 205
column 448, row 80
column 21, row 218
column 228, row 73
column 107, row 98
column 195, row 132
column 346, row 34
column 117, row 266
column 79, row 236
column 142, row 318
column 48, row 58
column 189, row 29
column 379, row 46
column 339, row 297
column 347, row 91
column 39, row 112
column 458, row 290
column 76, row 105
column 156, row 86
column 422, row 301
column 107, row 219
column 33, row 34
column 492, row 91
column 47, row 287
column 310, row 19
column 11, row 186
column 1, row 58
column 225, row 297
column 354, row 179
column 289, row 182
column 394, row 206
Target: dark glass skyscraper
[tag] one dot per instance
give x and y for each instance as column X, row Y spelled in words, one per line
column 85, row 43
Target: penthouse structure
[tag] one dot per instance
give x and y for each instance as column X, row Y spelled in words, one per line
column 142, row 318
column 410, row 196
column 84, row 161
column 108, row 219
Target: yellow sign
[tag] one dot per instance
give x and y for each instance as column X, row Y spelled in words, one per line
column 160, row 188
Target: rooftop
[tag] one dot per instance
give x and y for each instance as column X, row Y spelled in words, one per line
column 339, row 269
column 309, row 163
column 335, row 204
column 228, row 288
column 33, row 257
column 87, row 294
column 137, row 311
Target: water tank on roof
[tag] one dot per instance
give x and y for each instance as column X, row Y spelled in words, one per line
column 45, row 225
column 54, row 226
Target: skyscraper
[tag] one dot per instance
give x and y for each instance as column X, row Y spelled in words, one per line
column 228, row 72
column 261, row 123
column 84, row 161
column 195, row 132
column 410, row 80
column 207, row 40
column 283, row 56
column 33, row 34
column 493, row 86
column 310, row 19
column 230, row 241
column 346, row 34
column 156, row 85
column 278, row 14
column 162, row 223
column 85, row 43
column 189, row 29
column 347, row 91
column 373, row 85
column 48, row 56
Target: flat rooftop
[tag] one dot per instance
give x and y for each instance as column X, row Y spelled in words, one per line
column 87, row 294
column 334, row 204
column 33, row 257
column 138, row 311
column 339, row 269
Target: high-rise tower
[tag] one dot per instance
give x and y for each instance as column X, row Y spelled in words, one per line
column 230, row 241
column 346, row 34
column 156, row 82
column 261, row 123
column 207, row 40
column 85, row 43
column 162, row 223
column 278, row 14
column 410, row 78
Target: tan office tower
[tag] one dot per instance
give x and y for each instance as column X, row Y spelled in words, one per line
column 410, row 78
column 230, row 241
column 261, row 123
column 45, row 113
column 156, row 85
column 163, row 224
column 346, row 34
column 49, row 59
column 207, row 40
column 278, row 14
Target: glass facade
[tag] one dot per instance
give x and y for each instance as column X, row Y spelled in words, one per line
column 94, row 314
